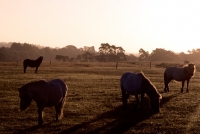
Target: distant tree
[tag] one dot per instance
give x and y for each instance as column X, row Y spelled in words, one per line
column 160, row 54
column 131, row 57
column 62, row 58
column 193, row 54
column 104, row 51
column 144, row 55
column 4, row 54
column 87, row 56
column 16, row 46
column 89, row 49
column 110, row 53
column 79, row 57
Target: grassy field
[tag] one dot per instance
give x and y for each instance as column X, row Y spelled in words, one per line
column 94, row 101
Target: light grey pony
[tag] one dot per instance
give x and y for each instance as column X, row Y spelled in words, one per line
column 181, row 74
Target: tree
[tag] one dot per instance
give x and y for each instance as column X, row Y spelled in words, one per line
column 121, row 53
column 87, row 56
column 192, row 56
column 110, row 53
column 144, row 55
column 63, row 58
column 131, row 57
column 89, row 49
column 160, row 54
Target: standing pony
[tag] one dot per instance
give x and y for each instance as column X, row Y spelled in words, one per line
column 182, row 74
column 45, row 94
column 137, row 83
column 32, row 63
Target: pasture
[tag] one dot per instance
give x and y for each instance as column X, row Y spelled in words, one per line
column 94, row 102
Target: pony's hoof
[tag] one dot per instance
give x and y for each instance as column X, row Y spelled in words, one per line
column 124, row 107
column 140, row 109
column 40, row 123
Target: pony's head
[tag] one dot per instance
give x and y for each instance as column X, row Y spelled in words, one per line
column 155, row 103
column 25, row 97
column 153, row 94
column 190, row 69
column 40, row 58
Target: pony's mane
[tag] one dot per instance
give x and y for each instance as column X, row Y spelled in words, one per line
column 40, row 58
column 146, row 80
column 186, row 67
column 190, row 64
column 35, row 82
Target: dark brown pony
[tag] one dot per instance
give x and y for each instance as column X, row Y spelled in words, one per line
column 137, row 83
column 181, row 74
column 45, row 94
column 32, row 63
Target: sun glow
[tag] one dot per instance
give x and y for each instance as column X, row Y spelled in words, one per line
column 131, row 24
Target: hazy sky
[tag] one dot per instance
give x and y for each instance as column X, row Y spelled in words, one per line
column 132, row 24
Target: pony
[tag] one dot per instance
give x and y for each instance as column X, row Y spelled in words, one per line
column 181, row 74
column 32, row 63
column 45, row 94
column 135, row 84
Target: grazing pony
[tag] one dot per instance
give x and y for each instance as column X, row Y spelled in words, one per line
column 182, row 74
column 45, row 94
column 32, row 63
column 137, row 83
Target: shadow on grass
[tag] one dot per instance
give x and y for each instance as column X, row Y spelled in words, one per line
column 122, row 120
column 166, row 99
column 116, row 120
column 33, row 128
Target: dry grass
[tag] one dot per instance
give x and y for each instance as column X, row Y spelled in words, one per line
column 94, row 101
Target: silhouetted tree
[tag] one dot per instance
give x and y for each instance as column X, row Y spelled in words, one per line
column 131, row 57
column 110, row 53
column 160, row 54
column 87, row 56
column 144, row 55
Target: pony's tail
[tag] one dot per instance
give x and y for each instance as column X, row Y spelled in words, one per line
column 63, row 102
column 62, row 106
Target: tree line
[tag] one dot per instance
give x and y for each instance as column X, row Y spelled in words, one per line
column 160, row 54
column 22, row 51
column 105, row 53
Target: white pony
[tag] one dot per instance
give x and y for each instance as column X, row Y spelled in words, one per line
column 182, row 74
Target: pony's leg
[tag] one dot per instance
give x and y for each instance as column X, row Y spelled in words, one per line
column 36, row 69
column 59, row 111
column 166, row 85
column 168, row 81
column 40, row 120
column 25, row 69
column 183, row 82
column 124, row 97
column 188, row 84
column 165, row 88
column 141, row 101
column 137, row 101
